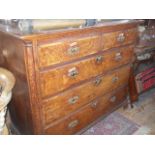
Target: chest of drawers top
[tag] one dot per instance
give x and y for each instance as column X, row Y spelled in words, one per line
column 106, row 26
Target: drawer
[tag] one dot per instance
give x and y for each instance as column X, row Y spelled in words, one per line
column 119, row 38
column 59, row 79
column 87, row 114
column 69, row 101
column 62, row 51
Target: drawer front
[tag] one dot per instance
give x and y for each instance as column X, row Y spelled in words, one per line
column 69, row 101
column 59, row 52
column 61, row 78
column 88, row 113
column 119, row 38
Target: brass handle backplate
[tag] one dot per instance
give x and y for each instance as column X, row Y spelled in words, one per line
column 73, row 124
column 121, row 37
column 115, row 79
column 73, row 100
column 73, row 72
column 73, row 50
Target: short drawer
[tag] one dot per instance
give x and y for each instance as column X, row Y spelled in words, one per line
column 119, row 38
column 69, row 101
column 59, row 79
column 87, row 114
column 70, row 49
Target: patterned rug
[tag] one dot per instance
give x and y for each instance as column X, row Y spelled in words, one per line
column 114, row 124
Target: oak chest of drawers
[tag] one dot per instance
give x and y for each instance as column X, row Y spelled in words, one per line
column 67, row 79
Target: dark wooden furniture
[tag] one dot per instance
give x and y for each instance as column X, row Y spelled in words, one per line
column 67, row 79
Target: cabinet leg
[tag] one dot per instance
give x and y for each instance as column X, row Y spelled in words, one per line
column 133, row 94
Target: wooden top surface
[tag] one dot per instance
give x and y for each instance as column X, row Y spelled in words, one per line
column 44, row 34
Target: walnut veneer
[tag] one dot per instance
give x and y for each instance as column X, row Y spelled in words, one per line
column 67, row 79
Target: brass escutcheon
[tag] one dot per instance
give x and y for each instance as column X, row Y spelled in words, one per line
column 94, row 104
column 118, row 56
column 113, row 99
column 97, row 81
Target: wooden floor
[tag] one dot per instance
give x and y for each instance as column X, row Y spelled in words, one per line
column 143, row 112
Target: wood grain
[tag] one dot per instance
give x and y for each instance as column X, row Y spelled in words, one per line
column 67, row 50
column 47, row 78
column 110, row 40
column 87, row 114
column 57, row 79
column 59, row 106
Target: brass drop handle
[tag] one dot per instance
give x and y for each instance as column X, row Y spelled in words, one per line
column 73, row 124
column 99, row 59
column 115, row 79
column 97, row 81
column 73, row 100
column 73, row 49
column 94, row 104
column 118, row 56
column 113, row 99
column 121, row 37
column 73, row 72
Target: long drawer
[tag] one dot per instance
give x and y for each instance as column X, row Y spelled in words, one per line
column 59, row 79
column 119, row 38
column 67, row 102
column 68, row 49
column 88, row 113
